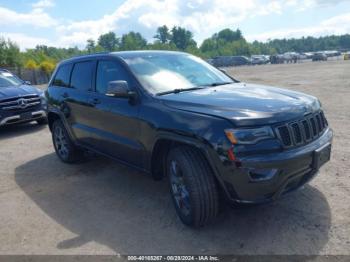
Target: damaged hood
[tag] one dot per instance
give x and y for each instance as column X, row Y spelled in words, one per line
column 245, row 104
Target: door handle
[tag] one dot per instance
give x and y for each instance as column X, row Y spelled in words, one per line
column 94, row 101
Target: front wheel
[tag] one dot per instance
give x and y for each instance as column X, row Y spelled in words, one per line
column 193, row 187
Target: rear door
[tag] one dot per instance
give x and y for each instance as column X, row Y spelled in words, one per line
column 76, row 99
column 114, row 121
column 58, row 89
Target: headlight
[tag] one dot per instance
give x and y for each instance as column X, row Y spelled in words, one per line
column 43, row 99
column 249, row 135
column 315, row 105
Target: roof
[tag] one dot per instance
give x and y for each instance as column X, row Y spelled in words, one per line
column 124, row 54
column 130, row 54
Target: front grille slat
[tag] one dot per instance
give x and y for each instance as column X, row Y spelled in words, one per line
column 318, row 120
column 18, row 103
column 16, row 107
column 8, row 103
column 296, row 133
column 18, row 97
column 307, row 130
column 285, row 136
column 303, row 131
column 324, row 120
column 313, row 126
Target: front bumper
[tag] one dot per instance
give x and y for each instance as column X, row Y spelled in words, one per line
column 289, row 170
column 22, row 118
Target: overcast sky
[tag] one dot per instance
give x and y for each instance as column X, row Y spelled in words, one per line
column 67, row 23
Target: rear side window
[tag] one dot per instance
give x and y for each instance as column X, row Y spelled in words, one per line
column 109, row 71
column 82, row 76
column 62, row 76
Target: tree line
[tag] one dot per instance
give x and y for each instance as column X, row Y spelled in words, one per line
column 226, row 42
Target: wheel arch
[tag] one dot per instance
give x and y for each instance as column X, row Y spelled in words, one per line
column 165, row 141
column 52, row 117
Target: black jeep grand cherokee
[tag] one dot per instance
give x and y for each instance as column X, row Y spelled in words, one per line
column 171, row 114
column 19, row 101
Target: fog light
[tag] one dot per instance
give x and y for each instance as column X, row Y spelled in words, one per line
column 257, row 175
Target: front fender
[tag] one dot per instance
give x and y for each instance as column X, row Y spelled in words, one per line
column 202, row 145
column 53, row 112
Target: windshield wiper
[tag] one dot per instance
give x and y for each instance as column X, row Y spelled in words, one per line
column 179, row 90
column 219, row 84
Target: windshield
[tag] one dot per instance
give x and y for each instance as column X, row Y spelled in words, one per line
column 160, row 73
column 7, row 79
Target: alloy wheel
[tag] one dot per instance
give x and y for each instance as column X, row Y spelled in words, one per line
column 179, row 189
column 61, row 143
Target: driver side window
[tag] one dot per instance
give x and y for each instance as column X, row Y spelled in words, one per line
column 108, row 71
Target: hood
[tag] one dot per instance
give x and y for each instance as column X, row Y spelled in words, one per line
column 14, row 91
column 245, row 104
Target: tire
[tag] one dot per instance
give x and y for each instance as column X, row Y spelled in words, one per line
column 192, row 185
column 42, row 121
column 64, row 147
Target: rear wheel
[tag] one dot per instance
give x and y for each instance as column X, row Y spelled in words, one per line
column 64, row 147
column 193, row 188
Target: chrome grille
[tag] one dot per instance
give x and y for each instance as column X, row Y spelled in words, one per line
column 302, row 131
column 19, row 103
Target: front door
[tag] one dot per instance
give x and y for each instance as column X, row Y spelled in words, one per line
column 115, row 127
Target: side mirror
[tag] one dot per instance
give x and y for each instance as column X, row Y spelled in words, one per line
column 28, row 83
column 119, row 88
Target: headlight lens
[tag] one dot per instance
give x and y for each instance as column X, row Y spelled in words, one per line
column 43, row 99
column 249, row 135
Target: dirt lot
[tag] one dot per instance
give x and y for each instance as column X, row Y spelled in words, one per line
column 101, row 207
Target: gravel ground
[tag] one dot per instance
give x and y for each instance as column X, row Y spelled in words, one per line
column 101, row 207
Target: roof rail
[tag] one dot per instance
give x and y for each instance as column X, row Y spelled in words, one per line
column 97, row 53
